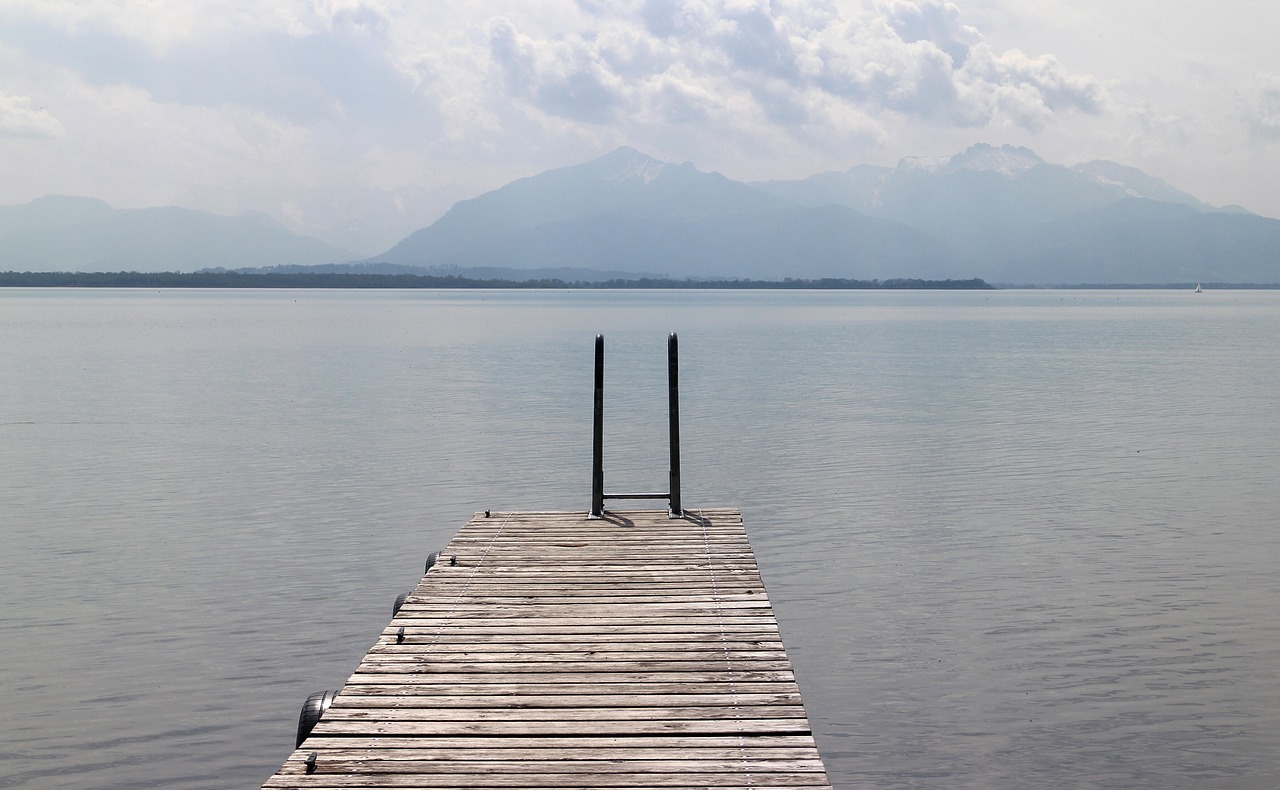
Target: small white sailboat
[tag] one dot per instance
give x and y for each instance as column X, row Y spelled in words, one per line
column 1199, row 290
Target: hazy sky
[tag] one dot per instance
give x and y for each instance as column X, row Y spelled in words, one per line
column 315, row 110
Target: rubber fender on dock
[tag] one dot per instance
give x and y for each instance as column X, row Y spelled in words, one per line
column 312, row 710
column 431, row 560
column 400, row 599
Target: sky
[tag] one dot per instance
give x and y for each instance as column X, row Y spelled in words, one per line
column 360, row 120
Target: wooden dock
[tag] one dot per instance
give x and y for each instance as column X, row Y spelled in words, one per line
column 633, row 651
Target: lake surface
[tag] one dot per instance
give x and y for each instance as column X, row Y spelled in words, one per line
column 1014, row 539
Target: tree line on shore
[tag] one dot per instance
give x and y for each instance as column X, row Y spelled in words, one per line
column 226, row 279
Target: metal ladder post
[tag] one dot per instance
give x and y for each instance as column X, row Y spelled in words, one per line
column 673, row 419
column 597, row 437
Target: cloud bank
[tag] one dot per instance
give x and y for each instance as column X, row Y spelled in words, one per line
column 1262, row 108
column 748, row 62
column 19, row 119
column 453, row 69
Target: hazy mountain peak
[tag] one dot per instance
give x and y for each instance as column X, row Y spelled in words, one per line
column 1010, row 161
column 71, row 201
column 925, row 164
column 628, row 163
column 63, row 233
column 264, row 219
column 53, row 211
column 1132, row 182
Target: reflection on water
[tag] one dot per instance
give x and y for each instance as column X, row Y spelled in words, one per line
column 1014, row 539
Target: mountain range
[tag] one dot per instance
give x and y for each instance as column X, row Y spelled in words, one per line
column 1000, row 213
column 61, row 233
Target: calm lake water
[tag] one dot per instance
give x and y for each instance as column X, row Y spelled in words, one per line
column 1014, row 539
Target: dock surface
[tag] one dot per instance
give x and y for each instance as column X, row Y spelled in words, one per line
column 633, row 651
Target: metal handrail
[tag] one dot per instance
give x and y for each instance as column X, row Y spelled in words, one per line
column 598, row 495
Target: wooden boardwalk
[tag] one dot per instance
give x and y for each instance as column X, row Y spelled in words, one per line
column 635, row 651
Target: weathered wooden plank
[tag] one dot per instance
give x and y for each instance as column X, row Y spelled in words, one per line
column 537, row 583
column 461, row 562
column 557, row 556
column 321, row 782
column 495, row 608
column 708, row 630
column 517, row 644
column 483, row 604
column 565, row 714
column 585, row 593
column 584, row 761
column 640, row 519
column 685, row 572
column 721, row 514
column 559, row 560
column 351, row 764
column 401, row 685
column 546, row 546
column 688, row 573
column 422, row 622
column 569, row 761
column 498, row 638
column 602, row 563
column 570, row 528
column 603, row 727
column 708, row 625
column 678, row 529
column 459, row 634
column 428, row 652
column 421, row 639
column 458, row 631
column 464, row 563
column 591, row 580
column 548, row 539
column 568, row 743
column 547, row 780
column 516, row 678
column 570, row 533
column 425, row 665
column 417, row 644
column 553, row 554
column 590, row 647
column 734, row 629
column 459, row 701
column 547, row 551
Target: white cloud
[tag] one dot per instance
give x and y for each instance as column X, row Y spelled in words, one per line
column 118, row 142
column 163, row 26
column 19, row 119
column 676, row 98
column 569, row 78
column 602, row 62
column 1028, row 90
column 916, row 58
column 1261, row 108
column 937, row 23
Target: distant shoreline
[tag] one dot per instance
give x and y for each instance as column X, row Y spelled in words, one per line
column 339, row 280
column 414, row 281
column 1149, row 287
